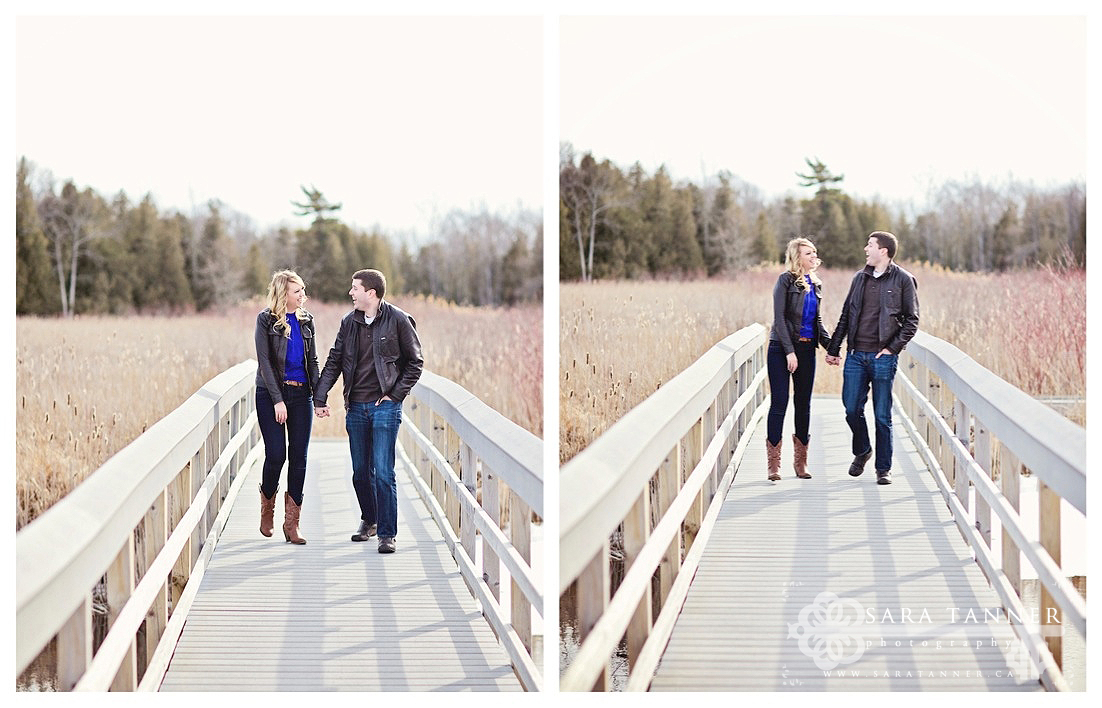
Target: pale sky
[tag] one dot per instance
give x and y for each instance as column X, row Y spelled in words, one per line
column 398, row 118
column 893, row 103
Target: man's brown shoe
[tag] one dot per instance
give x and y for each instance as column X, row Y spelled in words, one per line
column 365, row 531
column 858, row 464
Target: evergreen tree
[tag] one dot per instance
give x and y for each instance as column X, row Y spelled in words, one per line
column 315, row 204
column 1006, row 239
column 35, row 290
column 217, row 277
column 766, row 239
column 173, row 289
column 257, row 271
column 144, row 274
column 683, row 230
column 820, row 177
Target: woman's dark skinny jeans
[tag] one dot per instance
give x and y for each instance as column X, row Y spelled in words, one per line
column 803, row 379
column 292, row 437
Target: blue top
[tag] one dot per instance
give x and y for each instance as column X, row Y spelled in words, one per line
column 295, row 364
column 811, row 308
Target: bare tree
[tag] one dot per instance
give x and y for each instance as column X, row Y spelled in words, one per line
column 588, row 191
column 72, row 222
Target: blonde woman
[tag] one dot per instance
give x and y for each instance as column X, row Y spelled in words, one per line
column 797, row 333
column 286, row 377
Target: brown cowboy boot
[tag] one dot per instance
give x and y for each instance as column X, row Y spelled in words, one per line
column 773, row 457
column 267, row 514
column 291, row 511
column 799, row 458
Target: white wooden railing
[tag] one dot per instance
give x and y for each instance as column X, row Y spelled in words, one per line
column 461, row 451
column 658, row 477
column 653, row 479
column 144, row 525
column 978, row 435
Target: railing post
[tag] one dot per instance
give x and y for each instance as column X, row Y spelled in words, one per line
column 181, row 571
column 922, row 385
column 156, row 532
column 710, row 425
column 470, row 481
column 964, row 435
column 593, row 599
column 439, row 439
column 452, row 456
column 1010, row 471
column 669, row 482
column 983, row 459
column 695, row 452
column 491, row 503
column 194, row 476
column 520, row 536
column 636, row 532
column 1051, row 614
column 423, row 415
column 120, row 585
column 74, row 646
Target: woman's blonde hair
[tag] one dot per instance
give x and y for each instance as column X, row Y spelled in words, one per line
column 277, row 298
column 792, row 262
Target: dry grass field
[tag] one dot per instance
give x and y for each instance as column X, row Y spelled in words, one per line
column 87, row 387
column 619, row 341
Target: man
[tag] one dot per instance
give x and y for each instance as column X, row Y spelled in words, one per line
column 379, row 355
column 879, row 317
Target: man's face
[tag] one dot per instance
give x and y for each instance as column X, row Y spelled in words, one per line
column 363, row 300
column 874, row 254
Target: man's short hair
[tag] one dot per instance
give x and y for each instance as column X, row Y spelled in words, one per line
column 886, row 240
column 372, row 279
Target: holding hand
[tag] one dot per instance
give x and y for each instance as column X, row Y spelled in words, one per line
column 322, row 411
column 833, row 360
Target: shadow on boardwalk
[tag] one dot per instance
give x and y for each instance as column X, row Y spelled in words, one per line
column 335, row 615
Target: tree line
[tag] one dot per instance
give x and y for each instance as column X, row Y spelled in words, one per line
column 80, row 252
column 616, row 223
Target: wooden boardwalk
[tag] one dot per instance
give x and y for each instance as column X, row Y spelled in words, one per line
column 882, row 551
column 335, row 615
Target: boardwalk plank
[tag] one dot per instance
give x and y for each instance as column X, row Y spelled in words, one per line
column 777, row 546
column 335, row 615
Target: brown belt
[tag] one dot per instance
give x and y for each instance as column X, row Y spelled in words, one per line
column 294, row 383
column 805, row 339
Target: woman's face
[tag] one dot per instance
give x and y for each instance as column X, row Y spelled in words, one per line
column 809, row 259
column 296, row 296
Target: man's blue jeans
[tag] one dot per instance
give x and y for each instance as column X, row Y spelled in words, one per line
column 372, row 434
column 862, row 371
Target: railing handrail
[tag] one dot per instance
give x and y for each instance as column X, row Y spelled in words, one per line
column 447, row 479
column 1051, row 446
column 513, row 452
column 960, row 457
column 65, row 551
column 600, row 484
